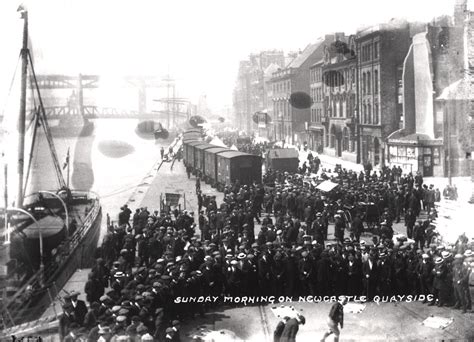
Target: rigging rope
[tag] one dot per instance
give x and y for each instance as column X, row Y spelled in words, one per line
column 47, row 131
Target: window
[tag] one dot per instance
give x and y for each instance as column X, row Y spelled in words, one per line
column 366, row 52
column 376, row 114
column 368, row 83
column 402, row 152
column 364, row 80
column 369, row 113
column 392, row 154
column 436, row 160
column 345, row 139
column 376, row 50
column 352, row 144
column 376, row 81
column 365, row 113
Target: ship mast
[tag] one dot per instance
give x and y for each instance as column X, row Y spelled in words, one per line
column 22, row 116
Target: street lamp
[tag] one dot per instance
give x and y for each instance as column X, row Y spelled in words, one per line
column 64, row 206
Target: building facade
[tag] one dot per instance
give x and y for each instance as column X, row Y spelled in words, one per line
column 266, row 125
column 316, row 126
column 282, row 116
column 292, row 124
column 250, row 92
column 340, row 98
column 380, row 51
column 436, row 137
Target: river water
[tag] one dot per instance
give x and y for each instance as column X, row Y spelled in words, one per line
column 112, row 162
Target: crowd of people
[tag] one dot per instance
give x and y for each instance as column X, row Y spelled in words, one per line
column 270, row 239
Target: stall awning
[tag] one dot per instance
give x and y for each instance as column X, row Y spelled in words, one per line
column 326, row 186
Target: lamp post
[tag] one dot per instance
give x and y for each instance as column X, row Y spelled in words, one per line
column 64, row 206
column 39, row 231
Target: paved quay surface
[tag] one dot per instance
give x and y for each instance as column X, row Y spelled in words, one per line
column 387, row 321
column 172, row 178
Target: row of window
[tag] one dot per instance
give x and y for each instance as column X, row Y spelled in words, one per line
column 347, row 142
column 281, row 87
column 367, row 83
column 369, row 116
column 369, row 52
column 317, row 94
column 340, row 108
column 315, row 75
column 316, row 114
column 281, row 110
column 340, row 78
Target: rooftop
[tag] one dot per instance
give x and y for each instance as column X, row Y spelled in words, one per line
column 303, row 56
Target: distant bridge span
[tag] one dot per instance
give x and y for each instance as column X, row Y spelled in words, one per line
column 177, row 109
column 94, row 112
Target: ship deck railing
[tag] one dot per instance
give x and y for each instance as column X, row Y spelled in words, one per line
column 14, row 310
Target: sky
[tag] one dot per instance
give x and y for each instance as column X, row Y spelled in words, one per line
column 199, row 42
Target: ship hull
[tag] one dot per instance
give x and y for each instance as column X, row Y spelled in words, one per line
column 26, row 306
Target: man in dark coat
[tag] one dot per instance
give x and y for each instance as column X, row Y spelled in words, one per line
column 440, row 273
column 264, row 267
column 336, row 317
column 357, row 227
column 79, row 307
column 339, row 226
column 425, row 276
column 66, row 319
column 291, row 328
column 306, row 274
column 279, row 329
column 354, row 275
column 385, row 274
column 410, row 219
column 93, row 288
column 370, row 273
column 322, row 273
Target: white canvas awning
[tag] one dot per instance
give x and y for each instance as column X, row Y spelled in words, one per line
column 326, row 186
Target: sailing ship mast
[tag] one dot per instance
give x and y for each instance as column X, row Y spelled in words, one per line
column 22, row 116
column 40, row 115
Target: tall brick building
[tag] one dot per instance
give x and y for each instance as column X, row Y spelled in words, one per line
column 291, row 124
column 380, row 51
column 340, row 98
column 250, row 91
column 317, row 125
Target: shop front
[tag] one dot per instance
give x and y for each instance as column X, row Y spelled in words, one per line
column 316, row 138
column 415, row 154
column 371, row 146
